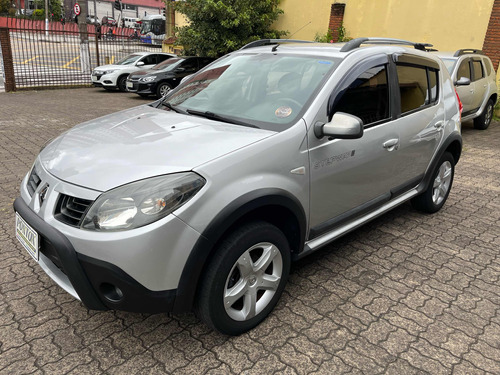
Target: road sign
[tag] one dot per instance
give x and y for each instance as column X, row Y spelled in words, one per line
column 76, row 9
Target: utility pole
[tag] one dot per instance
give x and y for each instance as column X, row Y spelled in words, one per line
column 47, row 18
column 84, row 37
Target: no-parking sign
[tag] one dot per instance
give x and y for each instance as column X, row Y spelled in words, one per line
column 76, row 9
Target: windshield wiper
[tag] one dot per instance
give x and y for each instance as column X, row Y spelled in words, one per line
column 214, row 116
column 172, row 107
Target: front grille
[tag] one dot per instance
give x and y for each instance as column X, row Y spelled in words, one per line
column 134, row 79
column 33, row 182
column 71, row 210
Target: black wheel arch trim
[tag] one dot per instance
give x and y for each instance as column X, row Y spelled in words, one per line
column 428, row 176
column 205, row 246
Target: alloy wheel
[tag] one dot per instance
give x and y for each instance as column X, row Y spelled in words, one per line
column 442, row 183
column 253, row 281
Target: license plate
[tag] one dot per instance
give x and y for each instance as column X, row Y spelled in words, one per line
column 130, row 85
column 27, row 236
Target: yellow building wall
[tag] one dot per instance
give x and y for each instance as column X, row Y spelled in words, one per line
column 447, row 24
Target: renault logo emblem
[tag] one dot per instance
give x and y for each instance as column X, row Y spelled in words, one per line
column 43, row 194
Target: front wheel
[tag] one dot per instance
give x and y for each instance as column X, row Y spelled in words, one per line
column 436, row 194
column 122, row 83
column 245, row 278
column 483, row 121
column 162, row 90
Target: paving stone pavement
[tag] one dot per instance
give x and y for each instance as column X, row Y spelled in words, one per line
column 405, row 294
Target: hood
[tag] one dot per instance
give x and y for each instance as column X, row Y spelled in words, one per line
column 139, row 143
column 114, row 67
column 140, row 73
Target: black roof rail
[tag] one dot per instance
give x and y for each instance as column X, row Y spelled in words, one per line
column 461, row 52
column 356, row 43
column 268, row 42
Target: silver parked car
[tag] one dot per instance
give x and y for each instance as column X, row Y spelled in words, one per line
column 475, row 80
column 203, row 199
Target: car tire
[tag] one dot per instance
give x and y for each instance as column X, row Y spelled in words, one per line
column 432, row 199
column 483, row 121
column 162, row 90
column 122, row 83
column 245, row 278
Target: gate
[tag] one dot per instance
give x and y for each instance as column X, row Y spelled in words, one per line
column 61, row 56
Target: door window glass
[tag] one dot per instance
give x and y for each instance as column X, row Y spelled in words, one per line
column 433, row 84
column 478, row 70
column 413, row 87
column 149, row 60
column 464, row 70
column 190, row 65
column 367, row 97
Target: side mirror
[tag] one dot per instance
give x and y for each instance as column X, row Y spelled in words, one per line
column 186, row 78
column 342, row 126
column 463, row 81
column 180, row 70
column 140, row 63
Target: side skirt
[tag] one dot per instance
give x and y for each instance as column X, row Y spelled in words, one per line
column 315, row 244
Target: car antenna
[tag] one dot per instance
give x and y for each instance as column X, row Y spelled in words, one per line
column 275, row 48
column 299, row 29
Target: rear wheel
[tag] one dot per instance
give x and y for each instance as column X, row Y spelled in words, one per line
column 245, row 278
column 483, row 121
column 436, row 194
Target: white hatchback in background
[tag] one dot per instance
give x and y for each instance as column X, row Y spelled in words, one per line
column 114, row 76
column 475, row 81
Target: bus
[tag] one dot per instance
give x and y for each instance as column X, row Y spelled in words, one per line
column 153, row 29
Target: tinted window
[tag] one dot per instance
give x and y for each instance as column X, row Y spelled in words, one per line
column 367, row 97
column 464, row 70
column 162, row 58
column 190, row 65
column 478, row 70
column 433, row 84
column 149, row 60
column 413, row 87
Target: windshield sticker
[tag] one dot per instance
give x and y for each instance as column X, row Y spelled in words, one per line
column 283, row 111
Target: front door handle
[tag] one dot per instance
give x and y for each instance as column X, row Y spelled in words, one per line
column 391, row 144
column 439, row 125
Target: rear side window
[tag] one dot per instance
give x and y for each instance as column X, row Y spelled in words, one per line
column 367, row 97
column 478, row 69
column 487, row 64
column 413, row 87
column 464, row 70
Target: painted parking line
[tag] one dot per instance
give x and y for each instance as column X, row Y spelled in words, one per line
column 66, row 66
column 27, row 61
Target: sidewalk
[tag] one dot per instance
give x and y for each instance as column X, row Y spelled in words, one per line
column 405, row 294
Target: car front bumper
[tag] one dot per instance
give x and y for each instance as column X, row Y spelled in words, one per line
column 136, row 270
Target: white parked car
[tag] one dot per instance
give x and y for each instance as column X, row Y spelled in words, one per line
column 114, row 76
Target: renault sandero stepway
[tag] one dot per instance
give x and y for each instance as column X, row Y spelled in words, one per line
column 201, row 200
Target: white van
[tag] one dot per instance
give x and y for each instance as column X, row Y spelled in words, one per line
column 130, row 22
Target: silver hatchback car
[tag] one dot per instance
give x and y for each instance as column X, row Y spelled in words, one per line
column 475, row 80
column 201, row 200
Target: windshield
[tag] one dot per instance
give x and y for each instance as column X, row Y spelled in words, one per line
column 268, row 91
column 167, row 64
column 450, row 64
column 130, row 59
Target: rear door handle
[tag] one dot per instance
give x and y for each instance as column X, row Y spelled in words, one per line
column 391, row 144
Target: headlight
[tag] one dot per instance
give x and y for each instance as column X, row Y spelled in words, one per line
column 109, row 71
column 141, row 203
column 148, row 79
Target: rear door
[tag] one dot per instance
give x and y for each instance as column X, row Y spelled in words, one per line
column 480, row 83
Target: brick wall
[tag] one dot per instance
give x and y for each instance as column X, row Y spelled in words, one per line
column 336, row 19
column 491, row 45
column 8, row 62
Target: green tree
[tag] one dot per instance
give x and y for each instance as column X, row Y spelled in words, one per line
column 4, row 6
column 220, row 26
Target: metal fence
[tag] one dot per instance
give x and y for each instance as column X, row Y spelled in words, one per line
column 63, row 56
